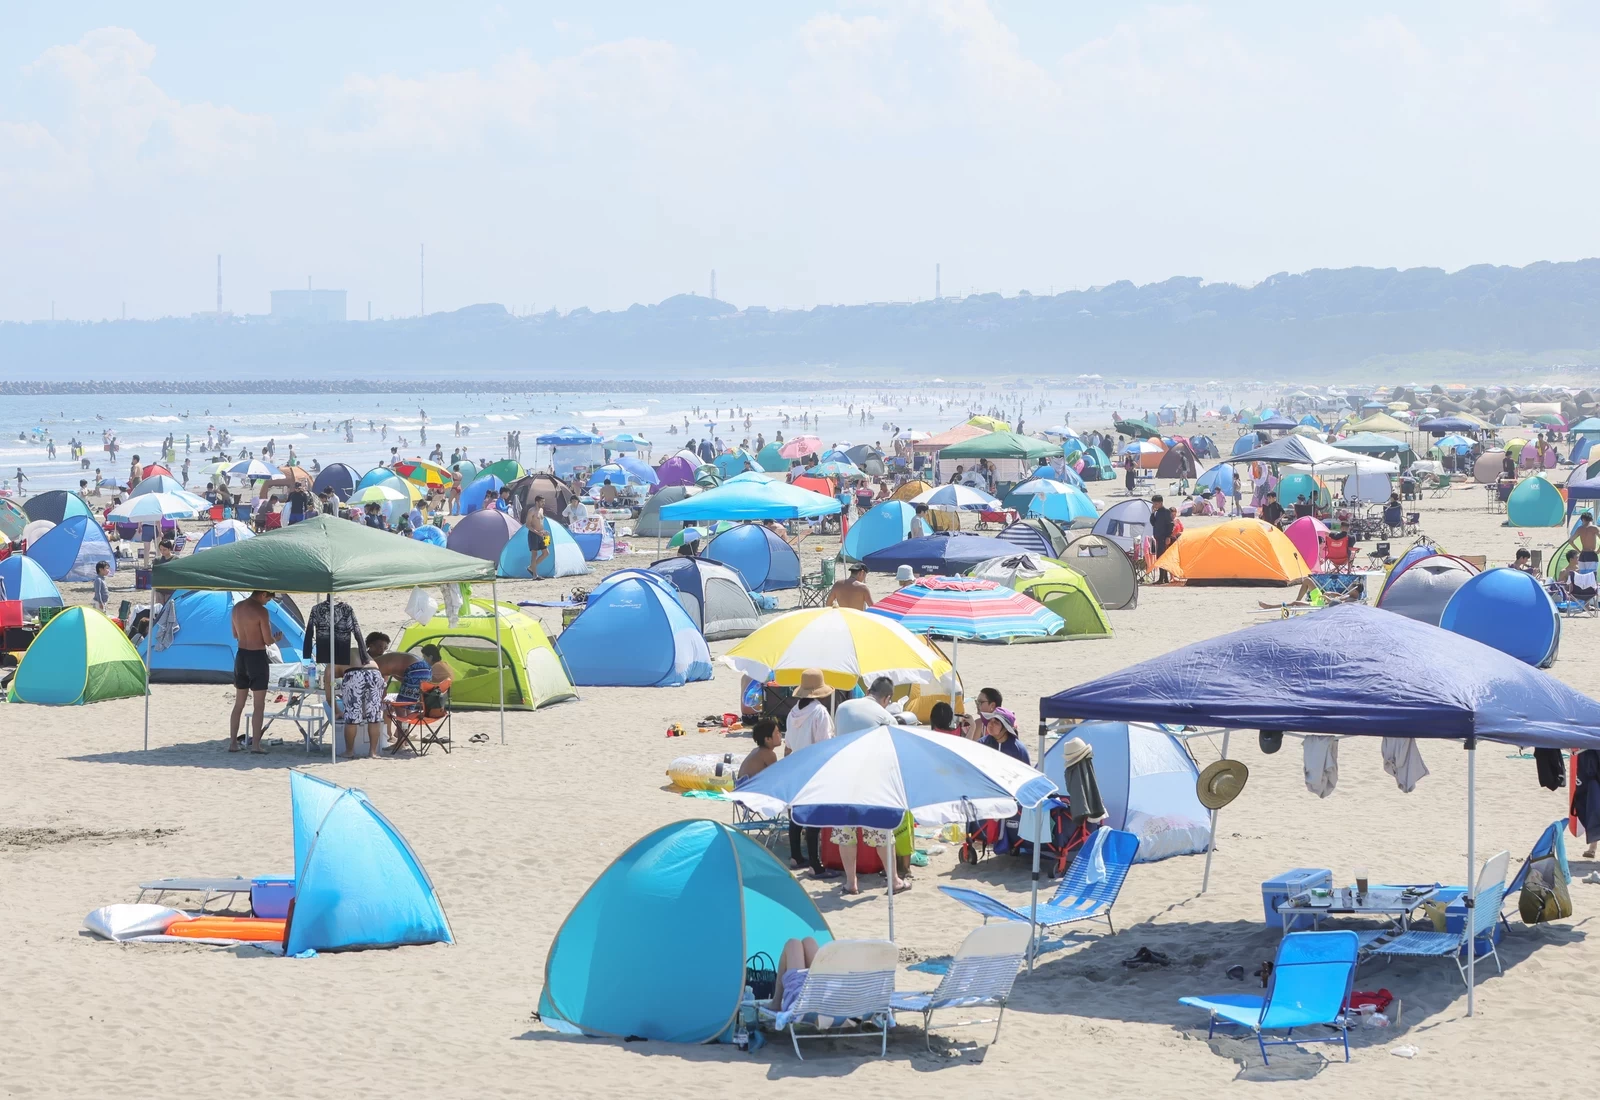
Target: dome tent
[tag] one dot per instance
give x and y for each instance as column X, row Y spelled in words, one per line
column 1037, row 535
column 535, row 676
column 1177, row 462
column 1241, row 551
column 1509, row 610
column 1073, row 508
column 633, row 632
column 1125, row 523
column 1107, row 568
column 1425, row 586
column 563, row 560
column 70, row 549
column 79, row 657
column 650, row 525
column 1535, row 503
column 23, row 579
column 338, row 476
column 357, row 882
column 771, row 461
column 194, row 641
column 764, row 561
column 472, row 495
column 1147, row 781
column 713, row 595
column 484, row 534
column 656, row 947
column 883, row 525
column 223, row 532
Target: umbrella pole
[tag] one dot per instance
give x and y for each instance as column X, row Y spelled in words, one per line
column 1211, row 845
column 1472, row 869
column 328, row 704
column 149, row 643
column 499, row 655
column 890, row 873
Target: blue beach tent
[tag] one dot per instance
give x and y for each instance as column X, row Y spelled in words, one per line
column 1065, row 507
column 883, row 525
column 357, row 882
column 70, row 549
column 754, row 499
column 947, row 555
column 633, row 632
column 765, row 561
column 1245, row 443
column 22, row 578
column 714, row 596
column 1147, row 782
column 56, row 506
column 338, row 476
column 656, row 947
column 223, row 532
column 194, row 641
column 1535, row 503
column 1220, row 476
column 1096, row 466
column 472, row 495
column 565, row 559
column 1509, row 610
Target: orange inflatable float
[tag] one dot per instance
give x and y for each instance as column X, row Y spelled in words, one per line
column 252, row 929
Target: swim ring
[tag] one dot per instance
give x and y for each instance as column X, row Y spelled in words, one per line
column 711, row 771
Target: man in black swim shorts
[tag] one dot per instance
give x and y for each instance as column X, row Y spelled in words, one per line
column 253, row 633
column 538, row 541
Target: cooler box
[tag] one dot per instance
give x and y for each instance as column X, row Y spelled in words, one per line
column 1455, row 919
column 10, row 613
column 270, row 896
column 869, row 861
column 141, row 580
column 1276, row 891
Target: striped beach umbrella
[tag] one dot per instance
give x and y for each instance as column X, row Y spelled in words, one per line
column 848, row 646
column 967, row 607
column 422, row 473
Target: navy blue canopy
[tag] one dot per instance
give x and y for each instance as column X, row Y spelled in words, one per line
column 1344, row 670
column 944, row 554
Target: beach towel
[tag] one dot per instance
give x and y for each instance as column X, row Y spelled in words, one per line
column 1322, row 764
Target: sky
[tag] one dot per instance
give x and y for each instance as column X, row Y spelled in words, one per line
column 556, row 155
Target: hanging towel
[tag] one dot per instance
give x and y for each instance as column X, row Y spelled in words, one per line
column 1094, row 853
column 452, row 602
column 1552, row 768
column 1322, row 764
column 1403, row 760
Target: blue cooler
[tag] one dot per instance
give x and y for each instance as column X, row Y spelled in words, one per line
column 1455, row 920
column 1276, row 891
column 270, row 896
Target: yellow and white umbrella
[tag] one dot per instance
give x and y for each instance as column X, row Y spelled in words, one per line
column 848, row 646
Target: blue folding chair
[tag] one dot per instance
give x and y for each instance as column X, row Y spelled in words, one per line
column 1454, row 945
column 1075, row 899
column 1310, row 987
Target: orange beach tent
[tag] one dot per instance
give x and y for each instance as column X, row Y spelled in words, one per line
column 1240, row 551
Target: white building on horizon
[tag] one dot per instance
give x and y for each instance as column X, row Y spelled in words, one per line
column 309, row 306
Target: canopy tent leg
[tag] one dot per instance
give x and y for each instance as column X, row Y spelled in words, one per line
column 149, row 647
column 328, row 705
column 499, row 655
column 1211, row 844
column 1472, row 869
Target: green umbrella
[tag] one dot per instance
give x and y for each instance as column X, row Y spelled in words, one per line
column 1002, row 445
column 507, row 470
column 1139, row 429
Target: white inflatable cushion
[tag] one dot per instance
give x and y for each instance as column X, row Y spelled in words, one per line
column 127, row 921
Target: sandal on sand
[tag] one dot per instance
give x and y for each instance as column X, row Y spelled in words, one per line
column 1144, row 957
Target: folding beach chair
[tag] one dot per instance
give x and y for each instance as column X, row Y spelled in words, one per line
column 209, row 889
column 1311, row 980
column 1076, row 898
column 980, row 976
column 1453, row 945
column 1441, row 487
column 428, row 718
column 771, row 833
column 848, row 980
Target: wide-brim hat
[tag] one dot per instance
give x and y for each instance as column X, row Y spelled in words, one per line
column 812, row 685
column 1220, row 783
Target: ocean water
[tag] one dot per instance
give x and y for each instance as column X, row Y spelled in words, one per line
column 312, row 423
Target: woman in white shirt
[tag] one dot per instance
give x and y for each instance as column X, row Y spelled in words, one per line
column 808, row 723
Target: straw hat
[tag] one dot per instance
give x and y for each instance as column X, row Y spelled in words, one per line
column 1220, row 783
column 812, row 685
column 1073, row 750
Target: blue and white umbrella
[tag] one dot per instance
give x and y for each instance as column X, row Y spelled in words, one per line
column 956, row 496
column 872, row 778
column 156, row 506
column 253, row 468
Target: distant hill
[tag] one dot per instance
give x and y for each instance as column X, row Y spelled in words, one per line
column 1476, row 319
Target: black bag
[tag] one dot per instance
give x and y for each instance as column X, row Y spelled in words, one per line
column 761, row 975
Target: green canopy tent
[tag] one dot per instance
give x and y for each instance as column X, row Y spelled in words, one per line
column 322, row 556
column 1002, row 445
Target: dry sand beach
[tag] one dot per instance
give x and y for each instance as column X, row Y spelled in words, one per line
column 512, row 835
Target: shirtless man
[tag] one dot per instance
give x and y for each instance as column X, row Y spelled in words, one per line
column 851, row 592
column 538, row 541
column 1587, row 537
column 253, row 632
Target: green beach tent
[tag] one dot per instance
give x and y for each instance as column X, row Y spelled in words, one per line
column 1535, row 503
column 1067, row 593
column 507, row 470
column 771, row 461
column 534, row 676
column 79, row 657
column 1297, row 485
